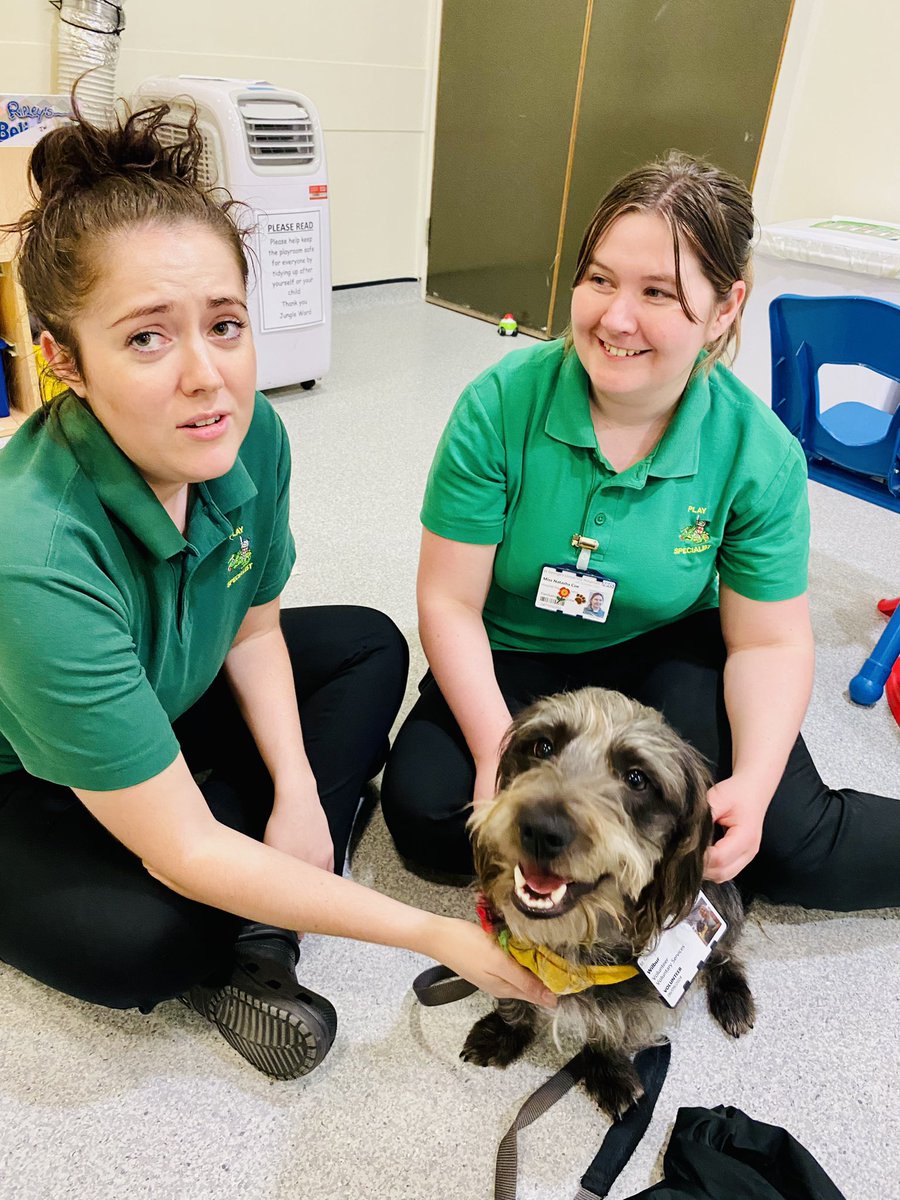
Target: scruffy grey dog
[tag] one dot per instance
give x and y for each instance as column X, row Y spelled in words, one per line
column 595, row 842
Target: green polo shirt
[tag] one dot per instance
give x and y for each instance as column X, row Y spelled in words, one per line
column 111, row 622
column 518, row 467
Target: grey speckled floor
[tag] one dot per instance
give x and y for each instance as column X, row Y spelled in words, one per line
column 97, row 1104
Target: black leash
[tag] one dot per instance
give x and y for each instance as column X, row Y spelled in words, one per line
column 440, row 985
column 623, row 1135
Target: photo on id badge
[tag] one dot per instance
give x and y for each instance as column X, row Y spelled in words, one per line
column 704, row 921
column 595, row 608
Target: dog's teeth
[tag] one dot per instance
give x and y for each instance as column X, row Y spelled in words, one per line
column 536, row 900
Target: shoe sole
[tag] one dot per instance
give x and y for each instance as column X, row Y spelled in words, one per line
column 281, row 1042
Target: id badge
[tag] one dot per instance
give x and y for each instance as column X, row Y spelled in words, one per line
column 682, row 950
column 586, row 594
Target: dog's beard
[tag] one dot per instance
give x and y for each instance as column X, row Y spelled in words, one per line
column 578, row 903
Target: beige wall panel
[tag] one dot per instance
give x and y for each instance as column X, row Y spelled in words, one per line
column 391, row 32
column 25, row 67
column 348, row 95
column 27, row 22
column 374, row 210
column 833, row 145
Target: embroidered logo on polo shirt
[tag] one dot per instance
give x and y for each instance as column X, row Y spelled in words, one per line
column 695, row 534
column 241, row 561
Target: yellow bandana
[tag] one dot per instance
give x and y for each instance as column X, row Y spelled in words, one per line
column 561, row 977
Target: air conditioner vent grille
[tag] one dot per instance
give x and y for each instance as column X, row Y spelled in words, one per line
column 279, row 131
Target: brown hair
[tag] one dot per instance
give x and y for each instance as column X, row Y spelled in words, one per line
column 89, row 182
column 708, row 208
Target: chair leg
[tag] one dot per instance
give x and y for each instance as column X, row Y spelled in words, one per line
column 867, row 686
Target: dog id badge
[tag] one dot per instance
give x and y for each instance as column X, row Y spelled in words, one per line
column 574, row 593
column 682, row 950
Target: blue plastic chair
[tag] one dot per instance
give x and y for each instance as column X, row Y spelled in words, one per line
column 851, row 446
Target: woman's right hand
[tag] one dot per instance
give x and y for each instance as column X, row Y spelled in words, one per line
column 476, row 956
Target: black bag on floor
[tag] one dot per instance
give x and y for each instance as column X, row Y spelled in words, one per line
column 720, row 1152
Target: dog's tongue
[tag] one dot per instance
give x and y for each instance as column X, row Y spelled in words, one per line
column 540, row 883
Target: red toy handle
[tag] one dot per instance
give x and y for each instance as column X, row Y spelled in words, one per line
column 892, row 691
column 892, row 687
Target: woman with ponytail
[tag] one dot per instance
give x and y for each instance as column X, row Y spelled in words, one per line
column 180, row 760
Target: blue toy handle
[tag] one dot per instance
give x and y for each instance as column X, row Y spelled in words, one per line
column 868, row 685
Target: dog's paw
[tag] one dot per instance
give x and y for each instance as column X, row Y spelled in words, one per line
column 730, row 1001
column 612, row 1083
column 494, row 1043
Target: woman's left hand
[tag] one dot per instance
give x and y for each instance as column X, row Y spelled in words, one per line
column 298, row 826
column 738, row 808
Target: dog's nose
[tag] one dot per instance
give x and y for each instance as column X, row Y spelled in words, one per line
column 545, row 832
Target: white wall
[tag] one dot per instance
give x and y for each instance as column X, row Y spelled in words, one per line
column 832, row 145
column 368, row 67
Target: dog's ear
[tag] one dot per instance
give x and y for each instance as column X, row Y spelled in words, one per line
column 670, row 895
column 510, row 764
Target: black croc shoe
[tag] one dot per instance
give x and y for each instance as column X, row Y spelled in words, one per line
column 280, row 1027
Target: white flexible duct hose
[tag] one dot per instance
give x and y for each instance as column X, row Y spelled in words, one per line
column 88, row 40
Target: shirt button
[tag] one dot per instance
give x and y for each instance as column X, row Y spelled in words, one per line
column 600, row 519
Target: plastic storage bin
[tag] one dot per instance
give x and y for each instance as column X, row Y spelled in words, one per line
column 820, row 256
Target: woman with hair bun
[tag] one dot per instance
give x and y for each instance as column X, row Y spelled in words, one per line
column 165, row 826
column 625, row 459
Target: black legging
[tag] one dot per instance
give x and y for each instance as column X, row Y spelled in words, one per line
column 820, row 848
column 79, row 912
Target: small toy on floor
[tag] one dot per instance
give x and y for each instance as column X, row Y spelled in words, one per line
column 508, row 326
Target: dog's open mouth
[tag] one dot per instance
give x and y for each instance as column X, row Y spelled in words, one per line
column 538, row 894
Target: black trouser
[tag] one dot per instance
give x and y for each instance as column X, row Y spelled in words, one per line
column 820, row 848
column 79, row 912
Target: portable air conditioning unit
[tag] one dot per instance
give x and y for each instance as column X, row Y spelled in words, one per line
column 265, row 146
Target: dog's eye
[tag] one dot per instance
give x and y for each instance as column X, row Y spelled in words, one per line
column 636, row 780
column 542, row 748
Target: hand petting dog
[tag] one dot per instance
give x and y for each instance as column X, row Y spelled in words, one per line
column 736, row 807
column 476, row 956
